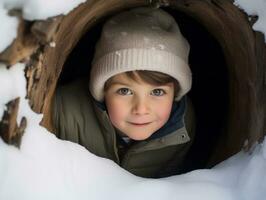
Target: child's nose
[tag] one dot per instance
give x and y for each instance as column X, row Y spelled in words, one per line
column 140, row 107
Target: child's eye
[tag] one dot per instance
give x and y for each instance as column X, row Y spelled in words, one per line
column 124, row 91
column 158, row 92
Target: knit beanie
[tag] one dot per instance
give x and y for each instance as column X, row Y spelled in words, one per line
column 140, row 39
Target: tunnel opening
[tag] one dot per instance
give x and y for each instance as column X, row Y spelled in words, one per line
column 209, row 93
column 229, row 106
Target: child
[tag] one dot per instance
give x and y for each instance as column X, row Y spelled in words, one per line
column 135, row 113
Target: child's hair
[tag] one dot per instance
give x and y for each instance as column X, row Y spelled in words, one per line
column 150, row 77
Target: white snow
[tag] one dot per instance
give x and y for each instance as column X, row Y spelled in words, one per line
column 161, row 46
column 146, row 40
column 7, row 24
column 255, row 8
column 48, row 168
column 31, row 10
column 52, row 44
column 117, row 53
column 8, row 89
column 42, row 9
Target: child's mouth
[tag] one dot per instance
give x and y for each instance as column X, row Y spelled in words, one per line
column 140, row 124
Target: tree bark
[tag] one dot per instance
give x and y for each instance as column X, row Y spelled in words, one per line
column 10, row 131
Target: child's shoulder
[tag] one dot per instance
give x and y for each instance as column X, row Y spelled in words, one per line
column 72, row 99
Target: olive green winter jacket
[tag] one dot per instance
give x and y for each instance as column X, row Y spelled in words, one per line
column 77, row 117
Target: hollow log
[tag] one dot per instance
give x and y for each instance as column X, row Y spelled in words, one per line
column 45, row 45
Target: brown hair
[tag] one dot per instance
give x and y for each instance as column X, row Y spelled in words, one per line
column 150, row 77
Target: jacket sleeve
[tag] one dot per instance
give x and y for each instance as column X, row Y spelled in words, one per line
column 63, row 114
column 74, row 118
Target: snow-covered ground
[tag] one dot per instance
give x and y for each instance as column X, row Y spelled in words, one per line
column 48, row 168
column 255, row 8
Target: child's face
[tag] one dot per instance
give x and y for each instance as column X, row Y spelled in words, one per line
column 138, row 109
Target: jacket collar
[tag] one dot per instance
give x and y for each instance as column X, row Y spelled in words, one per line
column 175, row 120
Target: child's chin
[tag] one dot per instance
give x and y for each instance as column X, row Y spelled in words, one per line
column 139, row 138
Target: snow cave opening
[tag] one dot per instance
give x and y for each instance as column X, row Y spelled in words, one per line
column 209, row 93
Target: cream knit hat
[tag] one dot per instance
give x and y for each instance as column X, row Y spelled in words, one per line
column 140, row 39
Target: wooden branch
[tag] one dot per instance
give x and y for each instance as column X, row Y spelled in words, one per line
column 9, row 130
column 45, row 30
column 22, row 47
column 31, row 36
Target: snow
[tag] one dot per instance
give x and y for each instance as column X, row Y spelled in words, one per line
column 52, row 44
column 10, row 90
column 31, row 10
column 37, row 9
column 7, row 24
column 48, row 168
column 255, row 8
column 161, row 46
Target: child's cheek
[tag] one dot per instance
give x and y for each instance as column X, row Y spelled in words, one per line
column 116, row 113
column 164, row 112
column 115, row 116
